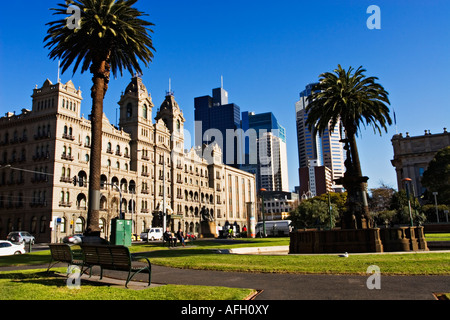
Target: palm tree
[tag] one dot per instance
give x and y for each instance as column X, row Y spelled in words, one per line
column 110, row 37
column 353, row 99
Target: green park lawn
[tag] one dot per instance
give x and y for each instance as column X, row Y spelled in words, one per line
column 38, row 285
column 203, row 255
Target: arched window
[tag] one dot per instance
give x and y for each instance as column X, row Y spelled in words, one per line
column 145, row 112
column 43, row 225
column 79, row 225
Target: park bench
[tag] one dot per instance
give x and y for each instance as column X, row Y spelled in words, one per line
column 116, row 258
column 62, row 253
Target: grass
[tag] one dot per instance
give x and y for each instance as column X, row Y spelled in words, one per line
column 437, row 236
column 393, row 264
column 202, row 255
column 38, row 285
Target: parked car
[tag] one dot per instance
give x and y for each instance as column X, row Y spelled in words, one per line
column 73, row 239
column 20, row 237
column 7, row 248
column 152, row 234
column 190, row 236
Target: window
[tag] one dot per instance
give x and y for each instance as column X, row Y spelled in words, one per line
column 129, row 110
column 145, row 112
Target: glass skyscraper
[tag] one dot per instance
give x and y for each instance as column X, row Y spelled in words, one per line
column 325, row 150
column 213, row 115
column 269, row 149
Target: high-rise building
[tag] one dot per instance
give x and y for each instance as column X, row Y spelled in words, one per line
column 272, row 163
column 265, row 150
column 325, row 149
column 219, row 121
column 144, row 168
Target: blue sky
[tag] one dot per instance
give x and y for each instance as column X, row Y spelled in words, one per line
column 267, row 52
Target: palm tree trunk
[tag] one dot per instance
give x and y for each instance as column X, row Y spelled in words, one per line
column 101, row 73
column 357, row 192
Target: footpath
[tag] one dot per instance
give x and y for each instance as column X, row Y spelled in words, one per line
column 272, row 286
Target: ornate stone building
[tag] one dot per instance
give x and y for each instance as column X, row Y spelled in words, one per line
column 143, row 162
column 413, row 154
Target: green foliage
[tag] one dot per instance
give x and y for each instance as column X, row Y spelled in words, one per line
column 109, row 30
column 315, row 212
column 351, row 97
column 399, row 203
column 437, row 177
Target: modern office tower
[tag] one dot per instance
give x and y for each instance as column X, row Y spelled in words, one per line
column 265, row 150
column 144, row 168
column 325, row 149
column 272, row 165
column 218, row 121
column 316, row 180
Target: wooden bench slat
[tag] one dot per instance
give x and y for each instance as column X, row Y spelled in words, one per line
column 114, row 258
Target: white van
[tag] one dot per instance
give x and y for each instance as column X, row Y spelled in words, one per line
column 152, row 234
column 275, row 228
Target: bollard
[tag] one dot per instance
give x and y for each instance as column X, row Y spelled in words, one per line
column 29, row 247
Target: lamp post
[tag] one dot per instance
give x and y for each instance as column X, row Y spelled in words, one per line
column 436, row 205
column 262, row 190
column 408, row 180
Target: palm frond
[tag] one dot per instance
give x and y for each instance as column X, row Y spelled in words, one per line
column 109, row 30
column 351, row 97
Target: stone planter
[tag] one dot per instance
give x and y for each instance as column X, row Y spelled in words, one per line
column 358, row 241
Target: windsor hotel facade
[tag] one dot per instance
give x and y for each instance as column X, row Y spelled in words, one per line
column 43, row 149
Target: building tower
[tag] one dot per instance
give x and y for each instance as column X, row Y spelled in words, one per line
column 324, row 150
column 218, row 121
column 265, row 139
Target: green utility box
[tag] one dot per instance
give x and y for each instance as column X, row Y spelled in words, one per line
column 121, row 232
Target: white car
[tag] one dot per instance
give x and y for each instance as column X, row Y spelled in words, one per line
column 8, row 248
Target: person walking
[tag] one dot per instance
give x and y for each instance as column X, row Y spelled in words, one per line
column 180, row 236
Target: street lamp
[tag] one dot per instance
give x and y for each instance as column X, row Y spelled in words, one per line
column 408, row 180
column 262, row 190
column 435, row 203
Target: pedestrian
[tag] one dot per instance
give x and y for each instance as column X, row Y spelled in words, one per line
column 168, row 236
column 180, row 236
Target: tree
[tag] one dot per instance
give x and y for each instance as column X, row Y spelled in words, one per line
column 110, row 37
column 380, row 199
column 399, row 204
column 437, row 177
column 355, row 100
column 314, row 212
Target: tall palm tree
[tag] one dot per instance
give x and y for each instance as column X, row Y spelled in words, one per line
column 110, row 37
column 355, row 100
